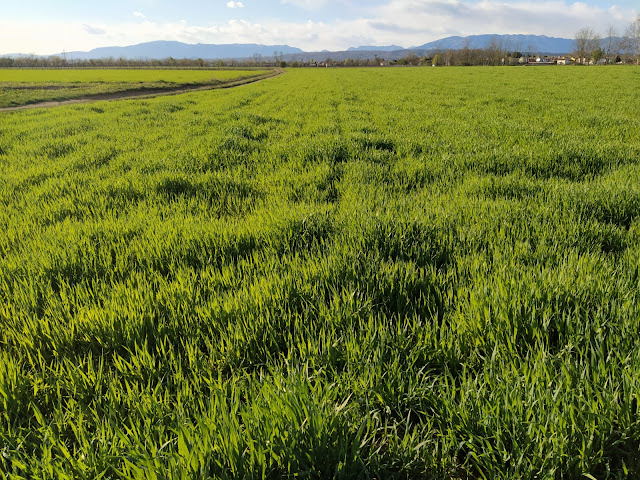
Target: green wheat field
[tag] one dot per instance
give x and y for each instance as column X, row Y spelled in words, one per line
column 23, row 87
column 411, row 273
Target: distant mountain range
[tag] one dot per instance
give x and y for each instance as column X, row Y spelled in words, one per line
column 164, row 49
column 522, row 43
column 533, row 44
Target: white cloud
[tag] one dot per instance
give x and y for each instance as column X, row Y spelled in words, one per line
column 91, row 30
column 235, row 5
column 139, row 15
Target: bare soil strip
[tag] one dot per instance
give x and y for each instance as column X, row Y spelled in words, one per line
column 144, row 93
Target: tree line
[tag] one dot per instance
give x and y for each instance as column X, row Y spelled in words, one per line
column 590, row 47
column 59, row 61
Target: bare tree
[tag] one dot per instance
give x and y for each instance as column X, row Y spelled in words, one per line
column 530, row 51
column 494, row 52
column 448, row 57
column 631, row 41
column 611, row 45
column 587, row 42
column 466, row 51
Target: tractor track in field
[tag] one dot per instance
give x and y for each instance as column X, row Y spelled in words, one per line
column 144, row 93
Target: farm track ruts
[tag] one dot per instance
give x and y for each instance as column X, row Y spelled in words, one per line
column 144, row 93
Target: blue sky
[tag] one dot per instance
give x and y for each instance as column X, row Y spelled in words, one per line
column 46, row 27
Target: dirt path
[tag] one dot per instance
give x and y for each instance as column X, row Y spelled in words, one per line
column 144, row 93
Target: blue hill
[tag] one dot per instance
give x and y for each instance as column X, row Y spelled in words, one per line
column 165, row 49
column 522, row 43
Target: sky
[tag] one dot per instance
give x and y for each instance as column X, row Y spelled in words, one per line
column 49, row 27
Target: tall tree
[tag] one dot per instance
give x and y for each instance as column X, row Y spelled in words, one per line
column 631, row 41
column 494, row 52
column 611, row 45
column 587, row 42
